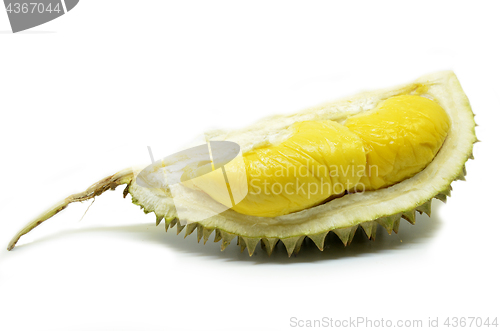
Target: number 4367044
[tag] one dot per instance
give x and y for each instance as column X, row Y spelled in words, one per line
column 470, row 322
column 32, row 7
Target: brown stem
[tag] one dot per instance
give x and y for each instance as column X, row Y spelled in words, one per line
column 108, row 183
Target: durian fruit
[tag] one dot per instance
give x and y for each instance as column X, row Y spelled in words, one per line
column 418, row 135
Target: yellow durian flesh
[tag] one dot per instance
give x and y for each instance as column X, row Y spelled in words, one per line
column 401, row 137
column 301, row 171
column 324, row 159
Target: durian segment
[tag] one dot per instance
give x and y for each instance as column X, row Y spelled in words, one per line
column 341, row 213
column 351, row 209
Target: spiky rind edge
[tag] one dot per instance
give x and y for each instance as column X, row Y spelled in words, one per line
column 293, row 244
column 389, row 222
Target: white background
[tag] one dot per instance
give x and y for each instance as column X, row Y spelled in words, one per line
column 82, row 96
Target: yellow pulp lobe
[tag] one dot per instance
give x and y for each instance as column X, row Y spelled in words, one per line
column 401, row 137
column 323, row 159
column 320, row 159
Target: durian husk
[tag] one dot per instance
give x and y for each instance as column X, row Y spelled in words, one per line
column 344, row 215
